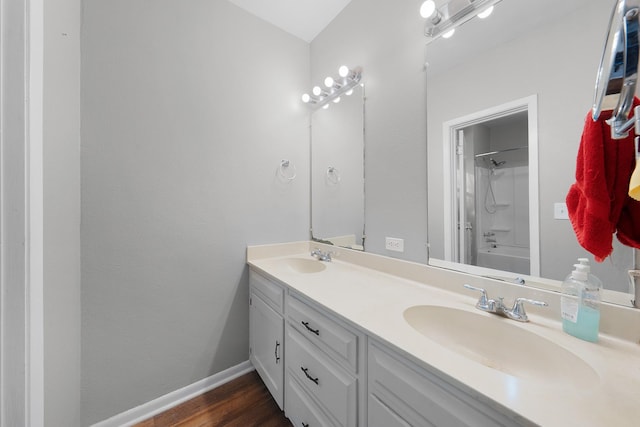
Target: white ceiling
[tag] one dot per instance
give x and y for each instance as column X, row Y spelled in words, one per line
column 304, row 19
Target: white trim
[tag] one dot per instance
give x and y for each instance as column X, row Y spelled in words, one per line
column 449, row 129
column 168, row 401
column 21, row 214
column 35, row 211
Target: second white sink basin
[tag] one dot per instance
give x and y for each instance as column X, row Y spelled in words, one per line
column 495, row 342
column 303, row 265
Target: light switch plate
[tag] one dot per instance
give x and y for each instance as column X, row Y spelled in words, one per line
column 560, row 211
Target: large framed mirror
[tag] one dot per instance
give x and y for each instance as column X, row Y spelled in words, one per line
column 337, row 171
column 545, row 49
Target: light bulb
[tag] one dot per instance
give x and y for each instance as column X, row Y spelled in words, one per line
column 328, row 82
column 325, row 106
column 336, row 99
column 317, row 91
column 449, row 33
column 306, row 98
column 427, row 9
column 343, row 71
column 485, row 13
column 349, row 92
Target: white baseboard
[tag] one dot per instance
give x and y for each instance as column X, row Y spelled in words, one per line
column 169, row 400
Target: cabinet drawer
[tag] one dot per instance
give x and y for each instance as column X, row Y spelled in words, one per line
column 333, row 388
column 333, row 338
column 415, row 397
column 271, row 292
column 301, row 409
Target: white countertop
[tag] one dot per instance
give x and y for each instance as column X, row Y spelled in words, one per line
column 375, row 301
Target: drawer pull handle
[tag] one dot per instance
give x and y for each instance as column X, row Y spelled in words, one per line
column 276, row 352
column 305, row 425
column 310, row 329
column 306, row 372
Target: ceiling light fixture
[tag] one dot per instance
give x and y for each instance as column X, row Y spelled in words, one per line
column 335, row 87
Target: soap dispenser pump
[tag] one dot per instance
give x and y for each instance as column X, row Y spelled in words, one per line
column 594, row 282
column 580, row 303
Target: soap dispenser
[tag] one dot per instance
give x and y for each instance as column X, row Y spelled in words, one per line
column 580, row 303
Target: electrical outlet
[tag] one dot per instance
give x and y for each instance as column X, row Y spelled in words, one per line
column 560, row 211
column 394, row 244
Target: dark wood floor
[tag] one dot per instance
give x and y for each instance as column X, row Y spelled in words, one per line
column 244, row 401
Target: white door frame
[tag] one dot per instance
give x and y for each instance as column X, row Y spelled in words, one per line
column 21, row 213
column 449, row 130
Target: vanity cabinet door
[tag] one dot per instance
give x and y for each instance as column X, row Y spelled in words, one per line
column 401, row 394
column 380, row 415
column 266, row 345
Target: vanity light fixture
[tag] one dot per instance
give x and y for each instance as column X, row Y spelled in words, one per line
column 335, row 87
column 428, row 10
column 317, row 91
column 452, row 13
column 449, row 33
column 485, row 13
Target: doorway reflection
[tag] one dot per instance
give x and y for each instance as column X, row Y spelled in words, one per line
column 493, row 168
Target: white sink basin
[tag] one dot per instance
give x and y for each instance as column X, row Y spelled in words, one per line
column 303, row 265
column 495, row 342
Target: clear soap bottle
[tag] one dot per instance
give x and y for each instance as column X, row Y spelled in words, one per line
column 580, row 303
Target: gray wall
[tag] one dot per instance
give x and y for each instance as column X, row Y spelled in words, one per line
column 188, row 108
column 62, row 212
column 385, row 38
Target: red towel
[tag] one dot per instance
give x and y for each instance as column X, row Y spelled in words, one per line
column 598, row 202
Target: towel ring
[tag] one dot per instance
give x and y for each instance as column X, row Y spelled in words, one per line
column 285, row 165
column 618, row 71
column 333, row 175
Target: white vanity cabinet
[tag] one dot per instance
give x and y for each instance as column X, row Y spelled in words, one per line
column 400, row 393
column 323, row 382
column 326, row 372
column 266, row 333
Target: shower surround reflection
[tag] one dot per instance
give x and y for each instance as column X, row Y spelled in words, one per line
column 495, row 206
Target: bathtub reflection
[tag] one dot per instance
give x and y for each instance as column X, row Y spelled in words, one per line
column 505, row 257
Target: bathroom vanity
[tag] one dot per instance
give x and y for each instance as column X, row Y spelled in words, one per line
column 366, row 340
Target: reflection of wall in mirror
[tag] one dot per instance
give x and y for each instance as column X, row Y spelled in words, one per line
column 518, row 68
column 338, row 193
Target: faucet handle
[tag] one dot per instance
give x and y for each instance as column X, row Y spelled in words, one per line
column 483, row 303
column 518, row 313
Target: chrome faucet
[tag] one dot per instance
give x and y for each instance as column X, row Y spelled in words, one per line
column 321, row 256
column 497, row 306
